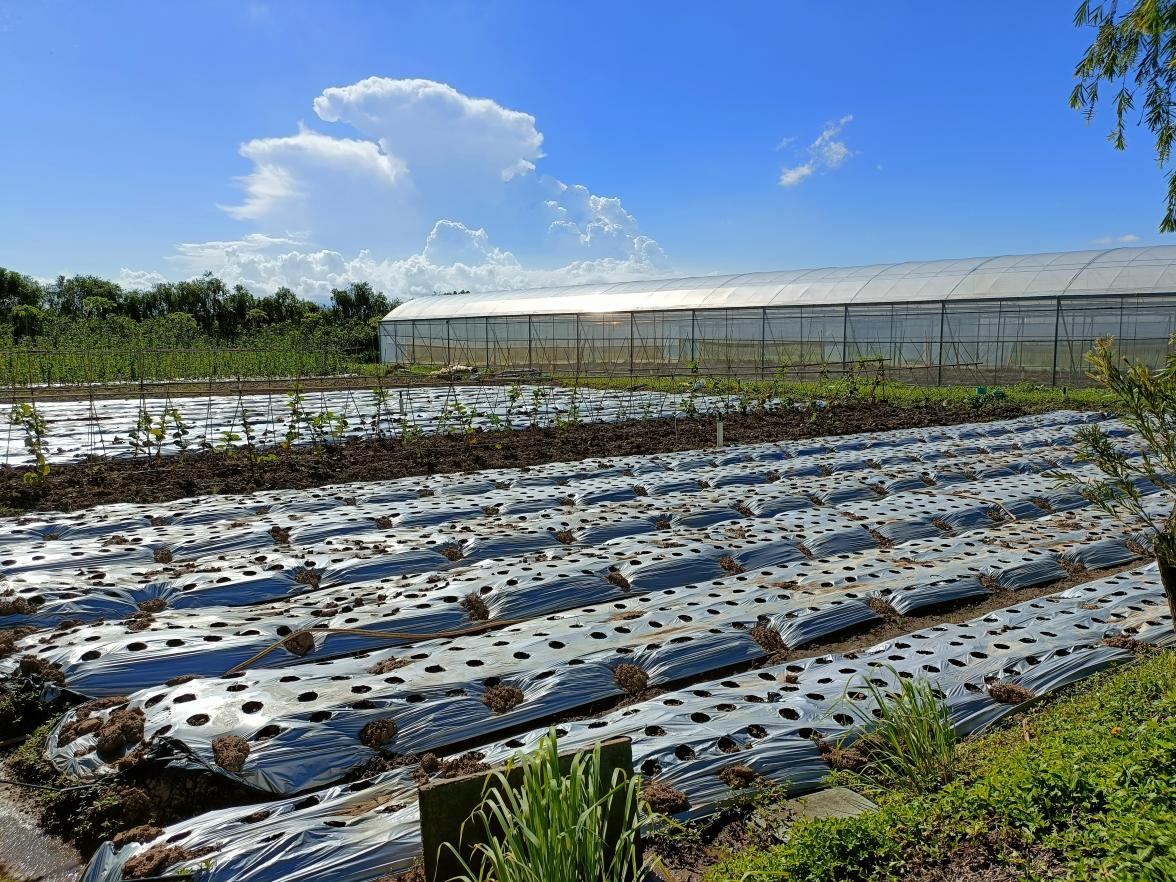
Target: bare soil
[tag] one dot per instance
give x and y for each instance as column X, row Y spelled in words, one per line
column 70, row 487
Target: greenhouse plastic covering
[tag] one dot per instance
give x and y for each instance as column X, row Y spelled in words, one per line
column 411, row 601
column 1108, row 271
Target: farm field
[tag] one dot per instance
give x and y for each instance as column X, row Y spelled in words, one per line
column 120, row 428
column 307, row 656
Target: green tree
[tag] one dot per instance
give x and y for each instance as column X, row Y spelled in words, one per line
column 1133, row 53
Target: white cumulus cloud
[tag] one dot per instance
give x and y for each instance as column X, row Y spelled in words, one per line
column 416, row 187
column 827, row 152
column 1125, row 239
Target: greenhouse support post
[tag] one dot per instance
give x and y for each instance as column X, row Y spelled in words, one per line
column 1053, row 377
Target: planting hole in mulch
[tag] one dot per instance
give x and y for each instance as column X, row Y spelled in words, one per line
column 1010, row 693
column 229, row 752
column 280, row 535
column 377, row 733
column 663, row 798
column 475, row 607
column 631, row 678
column 501, row 699
column 162, row 555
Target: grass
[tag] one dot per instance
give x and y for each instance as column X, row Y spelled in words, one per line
column 1032, row 396
column 553, row 827
column 910, row 745
column 1082, row 788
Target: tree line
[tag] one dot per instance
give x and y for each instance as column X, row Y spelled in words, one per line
column 205, row 311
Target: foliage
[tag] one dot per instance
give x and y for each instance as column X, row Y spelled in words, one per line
column 911, row 743
column 1087, row 782
column 1133, row 51
column 552, row 828
column 87, row 329
column 26, row 417
column 1147, row 406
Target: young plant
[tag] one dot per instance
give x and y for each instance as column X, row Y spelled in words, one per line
column 1147, row 405
column 553, row 827
column 910, row 744
column 380, row 397
column 29, row 420
column 297, row 419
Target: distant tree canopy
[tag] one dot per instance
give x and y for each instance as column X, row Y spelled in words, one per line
column 204, row 310
column 1133, row 53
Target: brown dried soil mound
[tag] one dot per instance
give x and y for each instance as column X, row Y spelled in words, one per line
column 663, row 798
column 501, row 699
column 1010, row 693
column 230, row 752
column 142, row 833
column 475, row 607
column 158, row 858
column 123, row 728
column 377, row 733
column 738, row 776
column 631, row 678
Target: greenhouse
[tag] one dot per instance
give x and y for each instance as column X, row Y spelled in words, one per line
column 976, row 320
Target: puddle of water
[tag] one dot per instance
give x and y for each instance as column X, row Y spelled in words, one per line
column 26, row 853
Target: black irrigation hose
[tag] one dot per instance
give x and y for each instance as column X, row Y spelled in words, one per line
column 47, row 787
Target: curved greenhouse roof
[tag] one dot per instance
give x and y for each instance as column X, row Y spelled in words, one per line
column 1112, row 271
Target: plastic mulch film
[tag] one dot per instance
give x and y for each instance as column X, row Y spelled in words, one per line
column 311, row 717
column 114, row 428
column 704, row 740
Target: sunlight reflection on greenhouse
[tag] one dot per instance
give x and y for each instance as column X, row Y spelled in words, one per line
column 976, row 320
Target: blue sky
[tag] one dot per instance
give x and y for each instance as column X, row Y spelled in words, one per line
column 146, row 140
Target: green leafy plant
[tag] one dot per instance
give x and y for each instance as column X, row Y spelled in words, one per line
column 1146, row 401
column 30, row 421
column 553, row 827
column 298, row 419
column 910, row 743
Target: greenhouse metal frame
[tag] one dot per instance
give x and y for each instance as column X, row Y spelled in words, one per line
column 993, row 321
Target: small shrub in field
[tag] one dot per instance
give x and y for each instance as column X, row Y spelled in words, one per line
column 911, row 745
column 552, row 828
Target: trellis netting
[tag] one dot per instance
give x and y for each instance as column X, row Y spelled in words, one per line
column 412, row 616
column 124, row 427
